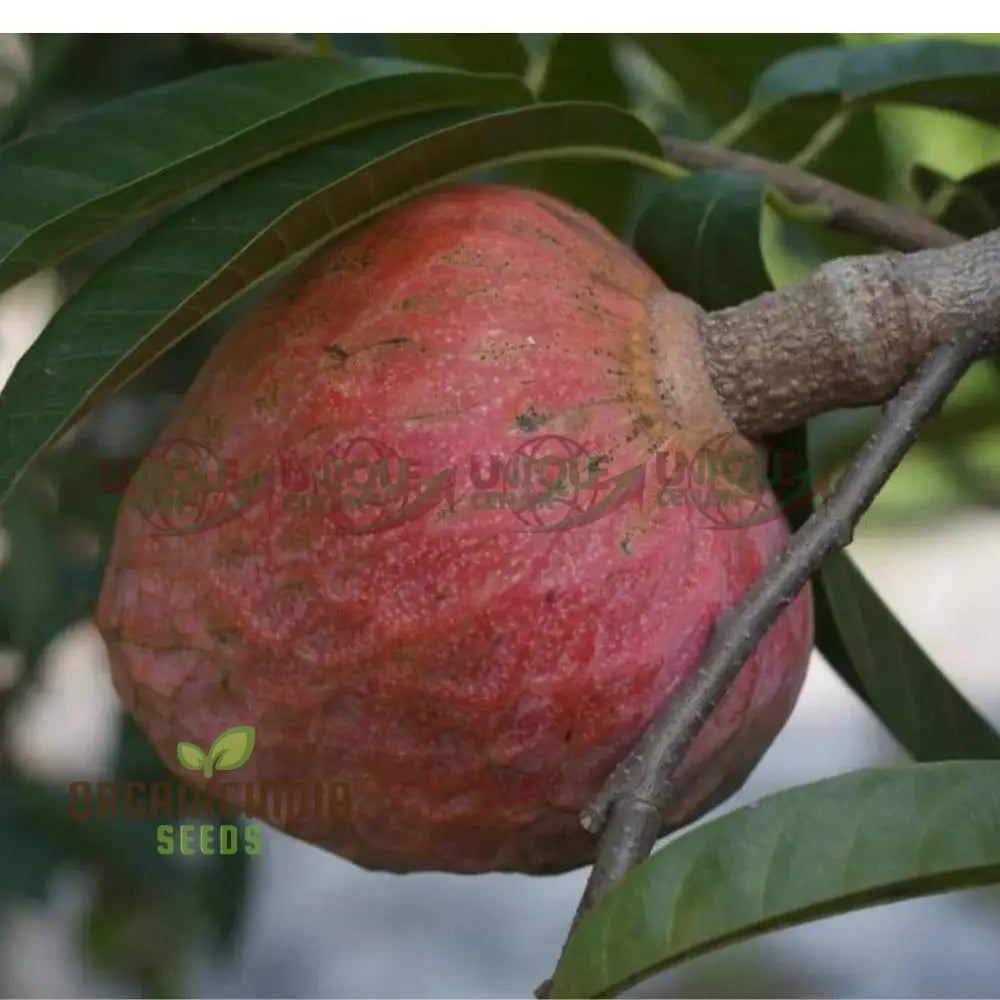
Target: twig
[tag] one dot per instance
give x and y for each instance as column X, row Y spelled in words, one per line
column 850, row 212
column 823, row 138
column 629, row 808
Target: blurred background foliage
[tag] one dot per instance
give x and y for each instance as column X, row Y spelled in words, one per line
column 149, row 912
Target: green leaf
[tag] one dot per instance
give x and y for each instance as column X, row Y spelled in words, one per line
column 812, row 73
column 36, row 837
column 45, row 585
column 232, row 749
column 496, row 53
column 875, row 655
column 971, row 206
column 191, row 756
column 204, row 256
column 702, row 236
column 30, row 572
column 940, row 73
column 63, row 189
column 137, row 759
column 581, row 68
column 715, row 74
column 913, row 698
column 872, row 836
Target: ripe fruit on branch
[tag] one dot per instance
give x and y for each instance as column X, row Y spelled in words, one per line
column 470, row 662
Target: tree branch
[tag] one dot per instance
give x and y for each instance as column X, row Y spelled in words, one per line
column 851, row 334
column 628, row 809
column 851, row 212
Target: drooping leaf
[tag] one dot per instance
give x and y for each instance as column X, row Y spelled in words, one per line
column 715, row 73
column 204, row 256
column 702, row 236
column 45, row 585
column 872, row 651
column 972, row 204
column 812, row 73
column 941, row 73
column 232, row 749
column 871, row 836
column 496, row 53
column 62, row 189
column 913, row 698
column 29, row 573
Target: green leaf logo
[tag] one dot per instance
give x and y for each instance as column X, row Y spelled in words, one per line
column 232, row 748
column 190, row 756
column 229, row 750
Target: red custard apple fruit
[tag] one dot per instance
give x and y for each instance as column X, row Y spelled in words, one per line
column 451, row 550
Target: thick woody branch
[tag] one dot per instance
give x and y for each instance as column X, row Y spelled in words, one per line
column 851, row 335
column 850, row 212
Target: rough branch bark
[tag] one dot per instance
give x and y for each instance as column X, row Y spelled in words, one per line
column 851, row 335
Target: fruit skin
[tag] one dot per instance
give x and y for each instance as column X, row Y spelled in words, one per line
column 472, row 682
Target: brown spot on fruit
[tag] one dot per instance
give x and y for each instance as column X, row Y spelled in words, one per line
column 352, row 259
column 266, row 404
column 336, row 356
column 529, row 421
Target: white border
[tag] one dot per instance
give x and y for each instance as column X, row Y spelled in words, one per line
column 448, row 16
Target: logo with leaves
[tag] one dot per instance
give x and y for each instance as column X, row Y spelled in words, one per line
column 229, row 750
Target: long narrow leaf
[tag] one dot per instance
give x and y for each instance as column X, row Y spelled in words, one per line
column 148, row 297
column 941, row 73
column 61, row 190
column 916, row 702
column 872, row 836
